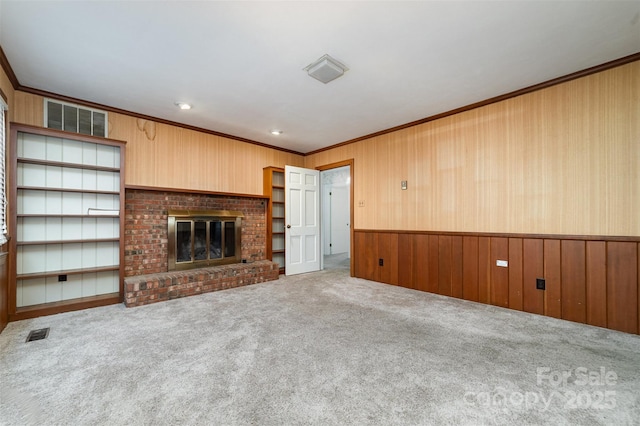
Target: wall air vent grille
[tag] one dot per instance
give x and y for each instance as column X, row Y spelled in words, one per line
column 75, row 118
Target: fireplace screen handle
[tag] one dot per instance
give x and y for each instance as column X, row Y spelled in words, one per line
column 288, row 226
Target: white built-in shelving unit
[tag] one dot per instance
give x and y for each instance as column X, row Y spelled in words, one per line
column 67, row 195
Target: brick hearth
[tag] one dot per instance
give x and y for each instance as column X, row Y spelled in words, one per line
column 144, row 289
column 146, row 250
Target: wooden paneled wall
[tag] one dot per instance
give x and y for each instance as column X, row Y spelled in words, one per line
column 164, row 156
column 562, row 160
column 593, row 281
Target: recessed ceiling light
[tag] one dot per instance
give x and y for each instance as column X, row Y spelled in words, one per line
column 183, row 105
column 276, row 132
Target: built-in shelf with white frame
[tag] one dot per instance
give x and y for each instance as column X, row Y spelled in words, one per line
column 67, row 228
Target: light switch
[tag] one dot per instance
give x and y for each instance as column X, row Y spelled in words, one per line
column 502, row 263
column 403, row 184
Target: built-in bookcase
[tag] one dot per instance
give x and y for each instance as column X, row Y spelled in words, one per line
column 67, row 195
column 273, row 182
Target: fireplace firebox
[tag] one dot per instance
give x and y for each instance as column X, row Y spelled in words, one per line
column 203, row 238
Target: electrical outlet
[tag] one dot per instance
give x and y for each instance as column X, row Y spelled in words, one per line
column 540, row 284
column 361, row 203
column 380, row 262
column 502, row 263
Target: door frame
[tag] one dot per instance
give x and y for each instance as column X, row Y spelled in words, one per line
column 336, row 165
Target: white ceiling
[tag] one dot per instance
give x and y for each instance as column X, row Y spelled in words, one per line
column 241, row 63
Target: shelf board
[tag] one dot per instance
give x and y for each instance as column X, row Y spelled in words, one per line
column 277, row 233
column 69, row 215
column 32, row 311
column 85, row 191
column 277, row 251
column 68, row 165
column 277, row 186
column 93, row 240
column 67, row 272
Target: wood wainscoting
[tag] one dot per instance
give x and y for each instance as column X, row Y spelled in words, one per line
column 588, row 279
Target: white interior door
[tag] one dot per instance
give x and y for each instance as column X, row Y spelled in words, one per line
column 302, row 220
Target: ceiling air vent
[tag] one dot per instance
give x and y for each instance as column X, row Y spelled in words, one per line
column 326, row 69
column 75, row 118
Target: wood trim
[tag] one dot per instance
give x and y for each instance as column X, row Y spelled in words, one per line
column 63, row 216
column 94, row 105
column 123, row 240
column 513, row 235
column 45, row 131
column 549, row 83
column 67, row 165
column 267, row 183
column 41, row 242
column 67, row 272
column 4, row 98
column 335, row 165
column 65, row 306
column 11, row 175
column 6, row 66
column 193, row 191
column 46, row 188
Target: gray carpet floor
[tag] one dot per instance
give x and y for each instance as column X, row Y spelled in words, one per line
column 319, row 348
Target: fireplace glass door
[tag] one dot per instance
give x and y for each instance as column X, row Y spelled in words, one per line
column 202, row 241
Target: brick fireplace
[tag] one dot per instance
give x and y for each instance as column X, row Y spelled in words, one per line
column 147, row 279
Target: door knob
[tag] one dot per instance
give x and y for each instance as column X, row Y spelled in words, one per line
column 288, row 226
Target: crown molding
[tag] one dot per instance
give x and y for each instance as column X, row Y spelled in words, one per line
column 6, row 66
column 553, row 82
column 579, row 74
column 108, row 108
